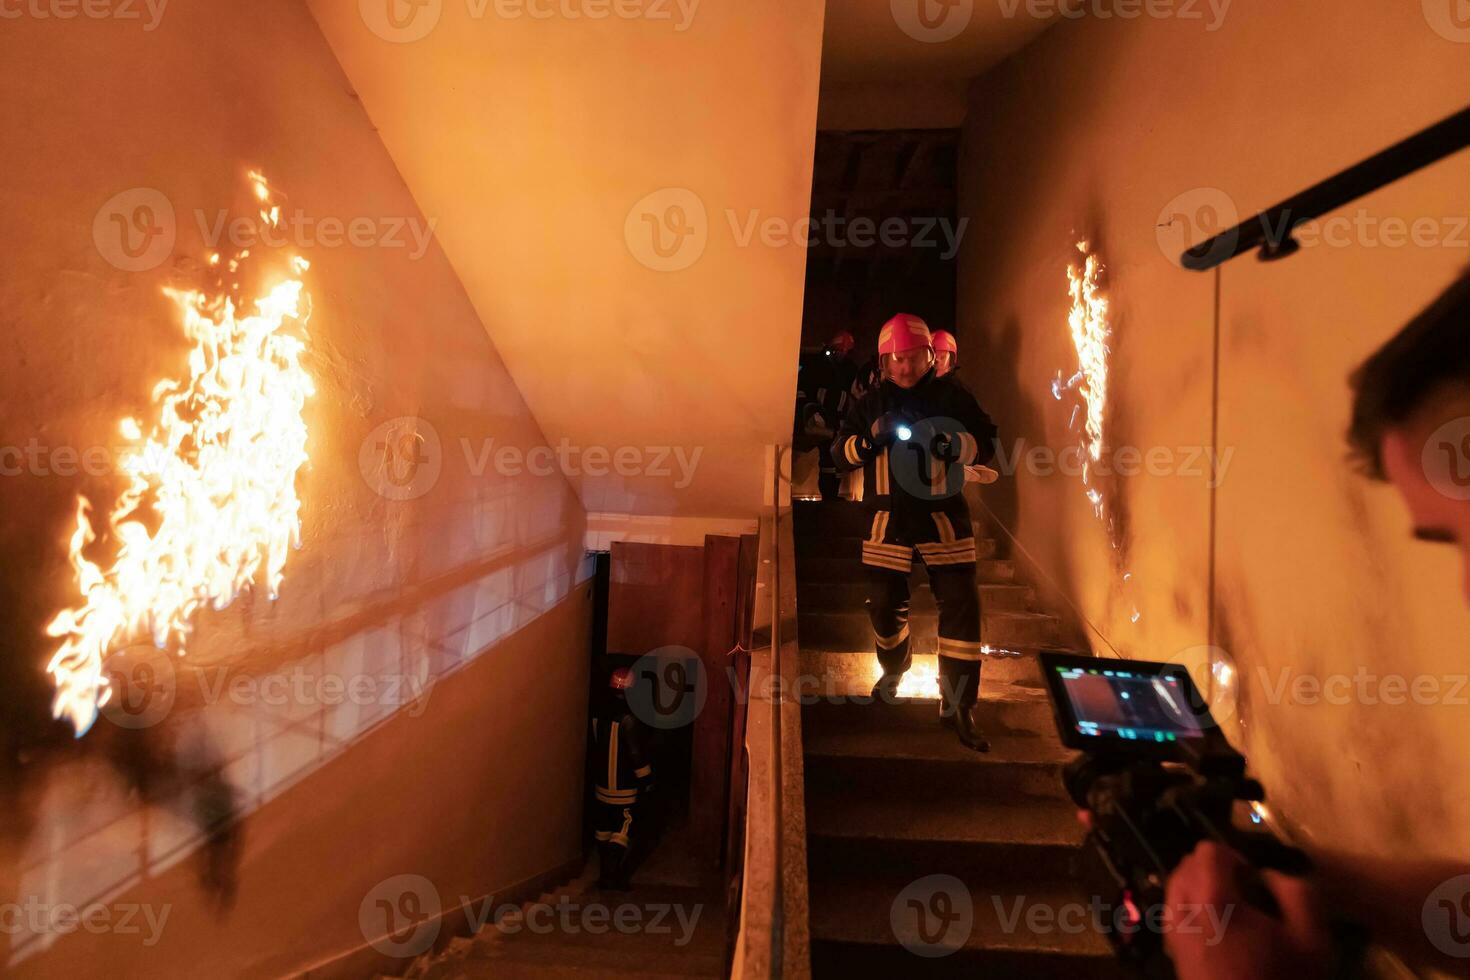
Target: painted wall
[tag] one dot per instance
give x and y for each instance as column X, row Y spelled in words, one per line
column 1140, row 136
column 602, row 175
column 417, row 690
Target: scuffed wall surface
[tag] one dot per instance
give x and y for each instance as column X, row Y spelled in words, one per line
column 398, row 587
column 1124, row 132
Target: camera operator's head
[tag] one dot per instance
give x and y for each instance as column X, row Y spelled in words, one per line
column 1411, row 419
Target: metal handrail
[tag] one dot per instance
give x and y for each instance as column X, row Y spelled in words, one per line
column 1270, row 231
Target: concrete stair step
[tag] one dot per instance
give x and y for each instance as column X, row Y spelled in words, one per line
column 1030, row 718
column 851, row 630
column 1012, row 676
column 485, row 970
column 913, row 731
column 829, row 518
column 844, row 960
column 910, row 762
column 1020, row 842
column 849, row 596
column 653, row 939
column 641, row 934
column 556, row 960
column 1006, row 937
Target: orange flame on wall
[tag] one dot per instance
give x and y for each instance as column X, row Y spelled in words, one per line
column 1088, row 320
column 211, row 504
column 1091, row 332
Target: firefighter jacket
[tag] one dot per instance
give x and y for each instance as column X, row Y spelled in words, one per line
column 865, row 379
column 822, row 382
column 913, row 444
column 621, row 764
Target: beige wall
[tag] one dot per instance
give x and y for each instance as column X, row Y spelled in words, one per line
column 406, row 593
column 544, row 145
column 1105, row 128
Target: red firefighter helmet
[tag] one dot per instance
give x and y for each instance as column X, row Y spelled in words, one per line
column 944, row 340
column 841, row 342
column 904, row 332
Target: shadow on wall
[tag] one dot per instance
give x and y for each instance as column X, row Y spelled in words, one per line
column 188, row 750
column 1018, row 415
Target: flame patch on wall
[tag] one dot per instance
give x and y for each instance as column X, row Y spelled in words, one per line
column 211, row 505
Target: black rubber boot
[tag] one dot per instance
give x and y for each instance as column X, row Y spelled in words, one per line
column 964, row 726
column 959, row 690
column 612, row 867
column 886, row 689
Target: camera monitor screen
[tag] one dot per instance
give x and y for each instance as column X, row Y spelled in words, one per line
column 1124, row 701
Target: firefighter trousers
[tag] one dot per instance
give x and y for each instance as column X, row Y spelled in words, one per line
column 612, row 825
column 950, row 558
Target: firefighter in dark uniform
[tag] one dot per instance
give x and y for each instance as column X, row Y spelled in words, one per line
column 823, row 380
column 865, row 379
column 622, row 772
column 912, row 437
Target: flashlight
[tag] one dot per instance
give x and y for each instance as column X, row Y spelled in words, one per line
column 905, row 433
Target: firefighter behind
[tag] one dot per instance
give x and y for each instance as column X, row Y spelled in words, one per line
column 946, row 353
column 822, row 397
column 622, row 773
column 912, row 437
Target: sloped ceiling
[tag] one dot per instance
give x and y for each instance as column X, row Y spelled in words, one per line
column 897, row 41
column 551, row 146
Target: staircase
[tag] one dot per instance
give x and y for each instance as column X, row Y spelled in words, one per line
column 666, row 931
column 892, row 798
